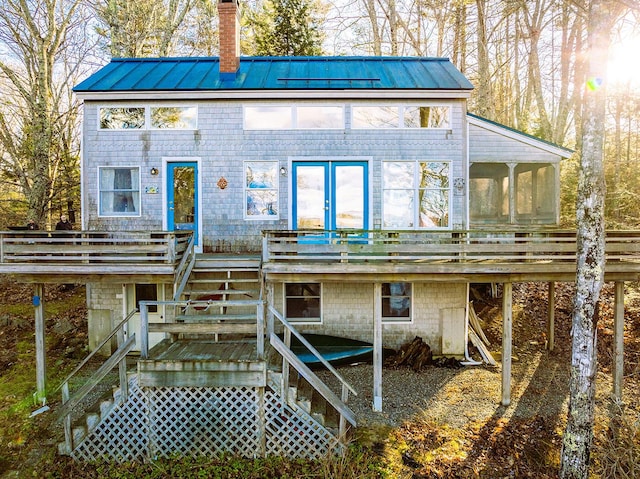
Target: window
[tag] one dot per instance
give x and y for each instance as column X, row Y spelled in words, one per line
column 319, row 117
column 302, row 302
column 415, row 194
column 289, row 117
column 122, row 118
column 261, row 189
column 426, row 117
column 401, row 116
column 375, row 117
column 268, row 117
column 148, row 117
column 146, row 292
column 119, row 191
column 174, row 117
column 396, row 301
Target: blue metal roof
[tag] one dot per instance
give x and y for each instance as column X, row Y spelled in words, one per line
column 277, row 73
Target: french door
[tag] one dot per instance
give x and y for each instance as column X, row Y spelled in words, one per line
column 330, row 195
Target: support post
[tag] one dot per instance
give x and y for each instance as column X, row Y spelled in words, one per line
column 41, row 362
column 551, row 316
column 377, row 347
column 507, row 324
column 618, row 341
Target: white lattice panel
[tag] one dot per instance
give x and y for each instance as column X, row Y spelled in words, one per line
column 122, row 435
column 182, row 421
column 204, row 421
column 292, row 433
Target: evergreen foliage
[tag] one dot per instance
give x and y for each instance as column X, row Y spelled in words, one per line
column 288, row 28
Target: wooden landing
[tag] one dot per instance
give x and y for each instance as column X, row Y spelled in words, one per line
column 203, row 363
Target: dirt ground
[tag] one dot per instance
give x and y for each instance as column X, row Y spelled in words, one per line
column 440, row 421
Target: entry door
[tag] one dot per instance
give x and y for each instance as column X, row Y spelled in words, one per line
column 182, row 197
column 330, row 195
column 135, row 293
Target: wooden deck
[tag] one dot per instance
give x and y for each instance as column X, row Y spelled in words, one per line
column 450, row 256
column 203, row 362
column 92, row 256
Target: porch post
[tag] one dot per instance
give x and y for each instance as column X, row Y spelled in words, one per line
column 377, row 347
column 618, row 341
column 551, row 318
column 41, row 363
column 507, row 324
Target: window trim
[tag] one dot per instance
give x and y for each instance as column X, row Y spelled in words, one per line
column 415, row 189
column 135, row 214
column 147, row 116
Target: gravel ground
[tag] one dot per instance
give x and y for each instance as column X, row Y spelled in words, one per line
column 456, row 396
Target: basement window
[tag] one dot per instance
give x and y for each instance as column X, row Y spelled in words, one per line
column 396, row 302
column 302, row 302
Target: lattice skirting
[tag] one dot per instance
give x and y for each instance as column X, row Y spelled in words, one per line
column 190, row 421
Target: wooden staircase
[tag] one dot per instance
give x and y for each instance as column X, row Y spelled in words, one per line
column 214, row 386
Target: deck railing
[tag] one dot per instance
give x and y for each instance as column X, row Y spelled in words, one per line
column 104, row 247
column 289, row 358
column 347, row 246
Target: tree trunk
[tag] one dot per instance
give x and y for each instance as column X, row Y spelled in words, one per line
column 576, row 444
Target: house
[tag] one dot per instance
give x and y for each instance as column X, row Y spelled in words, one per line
column 350, row 196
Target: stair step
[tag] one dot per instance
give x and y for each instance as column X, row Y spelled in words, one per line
column 221, row 292
column 92, row 419
column 213, row 279
column 203, row 318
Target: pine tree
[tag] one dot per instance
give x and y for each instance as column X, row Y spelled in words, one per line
column 288, row 28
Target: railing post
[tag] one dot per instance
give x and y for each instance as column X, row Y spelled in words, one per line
column 122, row 366
column 171, row 248
column 68, row 436
column 260, row 330
column 265, row 246
column 144, row 330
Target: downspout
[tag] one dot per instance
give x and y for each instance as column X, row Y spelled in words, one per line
column 467, row 359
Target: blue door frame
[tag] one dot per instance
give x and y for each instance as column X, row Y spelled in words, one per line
column 330, row 195
column 183, row 212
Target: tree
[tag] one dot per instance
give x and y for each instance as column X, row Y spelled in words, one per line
column 576, row 444
column 288, row 28
column 38, row 119
column 146, row 28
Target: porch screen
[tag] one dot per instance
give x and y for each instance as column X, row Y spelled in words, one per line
column 514, row 193
column 119, row 191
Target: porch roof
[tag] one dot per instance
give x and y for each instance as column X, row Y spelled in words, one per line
column 277, row 73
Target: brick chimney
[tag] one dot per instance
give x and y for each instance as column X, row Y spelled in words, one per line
column 229, row 39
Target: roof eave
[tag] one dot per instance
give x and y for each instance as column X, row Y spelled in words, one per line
column 260, row 94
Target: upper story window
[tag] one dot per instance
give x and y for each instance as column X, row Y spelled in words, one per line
column 400, row 116
column 119, row 191
column 148, row 117
column 122, row 118
column 415, row 194
column 288, row 117
column 261, row 190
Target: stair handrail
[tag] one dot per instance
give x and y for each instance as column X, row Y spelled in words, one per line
column 183, row 271
column 95, row 351
column 311, row 349
column 289, row 358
